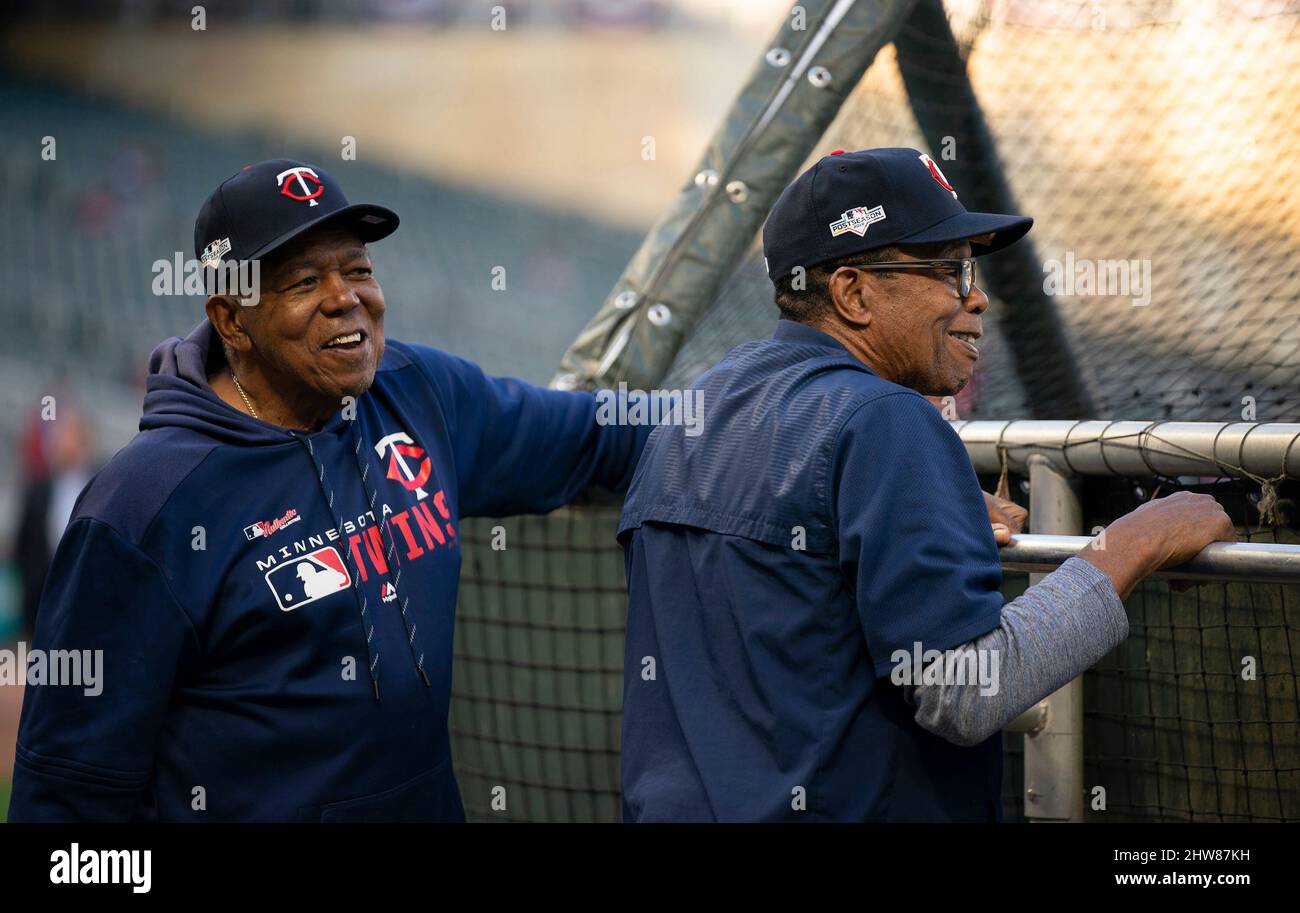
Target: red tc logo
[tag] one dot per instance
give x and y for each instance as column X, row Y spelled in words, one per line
column 293, row 184
column 937, row 174
column 400, row 447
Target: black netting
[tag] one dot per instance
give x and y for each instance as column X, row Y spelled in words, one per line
column 538, row 685
column 1146, row 130
column 1172, row 730
column 1131, row 131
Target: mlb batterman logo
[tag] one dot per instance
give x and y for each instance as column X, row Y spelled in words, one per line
column 303, row 580
column 293, row 184
column 857, row 220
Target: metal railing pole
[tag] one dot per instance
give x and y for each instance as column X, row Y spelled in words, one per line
column 1139, row 449
column 1054, row 788
column 1245, row 562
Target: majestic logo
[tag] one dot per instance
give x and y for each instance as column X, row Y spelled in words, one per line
column 388, row 592
column 857, row 220
column 263, row 528
column 400, row 447
column 297, row 177
column 303, row 580
column 937, row 174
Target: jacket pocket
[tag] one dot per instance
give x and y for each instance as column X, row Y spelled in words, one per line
column 432, row 796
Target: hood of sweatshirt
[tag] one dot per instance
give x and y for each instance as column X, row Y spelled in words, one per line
column 177, row 393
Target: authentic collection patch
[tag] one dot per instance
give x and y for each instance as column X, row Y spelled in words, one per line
column 264, row 528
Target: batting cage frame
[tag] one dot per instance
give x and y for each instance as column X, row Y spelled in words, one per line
column 1196, row 717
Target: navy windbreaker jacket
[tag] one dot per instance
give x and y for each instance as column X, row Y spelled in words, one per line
column 824, row 523
column 275, row 607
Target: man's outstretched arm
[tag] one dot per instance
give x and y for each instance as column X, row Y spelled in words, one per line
column 526, row 449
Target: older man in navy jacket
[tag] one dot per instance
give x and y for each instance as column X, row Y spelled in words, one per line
column 815, row 629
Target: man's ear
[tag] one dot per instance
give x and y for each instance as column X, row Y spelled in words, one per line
column 852, row 292
column 227, row 318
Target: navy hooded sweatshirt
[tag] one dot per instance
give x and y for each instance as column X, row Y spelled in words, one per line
column 275, row 607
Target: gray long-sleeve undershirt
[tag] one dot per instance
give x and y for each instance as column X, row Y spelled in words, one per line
column 1055, row 631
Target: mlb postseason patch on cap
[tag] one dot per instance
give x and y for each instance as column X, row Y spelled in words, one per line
column 851, row 202
column 857, row 220
column 213, row 253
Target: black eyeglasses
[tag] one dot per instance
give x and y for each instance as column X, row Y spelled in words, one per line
column 963, row 270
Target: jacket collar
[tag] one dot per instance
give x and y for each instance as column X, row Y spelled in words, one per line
column 793, row 331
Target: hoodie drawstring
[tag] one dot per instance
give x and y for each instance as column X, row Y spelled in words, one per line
column 394, row 563
column 372, row 655
column 372, row 495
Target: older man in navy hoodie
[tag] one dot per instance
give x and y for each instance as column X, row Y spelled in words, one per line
column 270, row 567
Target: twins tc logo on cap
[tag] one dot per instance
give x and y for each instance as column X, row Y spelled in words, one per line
column 856, row 220
column 302, row 581
column 936, row 173
column 293, row 184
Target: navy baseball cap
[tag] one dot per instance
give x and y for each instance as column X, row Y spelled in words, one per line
column 263, row 206
column 850, row 202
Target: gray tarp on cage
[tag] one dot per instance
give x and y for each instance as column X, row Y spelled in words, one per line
column 794, row 93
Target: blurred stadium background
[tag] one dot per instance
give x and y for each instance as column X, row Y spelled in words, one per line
column 1155, row 130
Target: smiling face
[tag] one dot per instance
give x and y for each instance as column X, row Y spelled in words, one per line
column 912, row 327
column 320, row 321
column 316, row 334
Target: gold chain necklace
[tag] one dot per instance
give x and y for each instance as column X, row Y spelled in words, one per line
column 247, row 402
